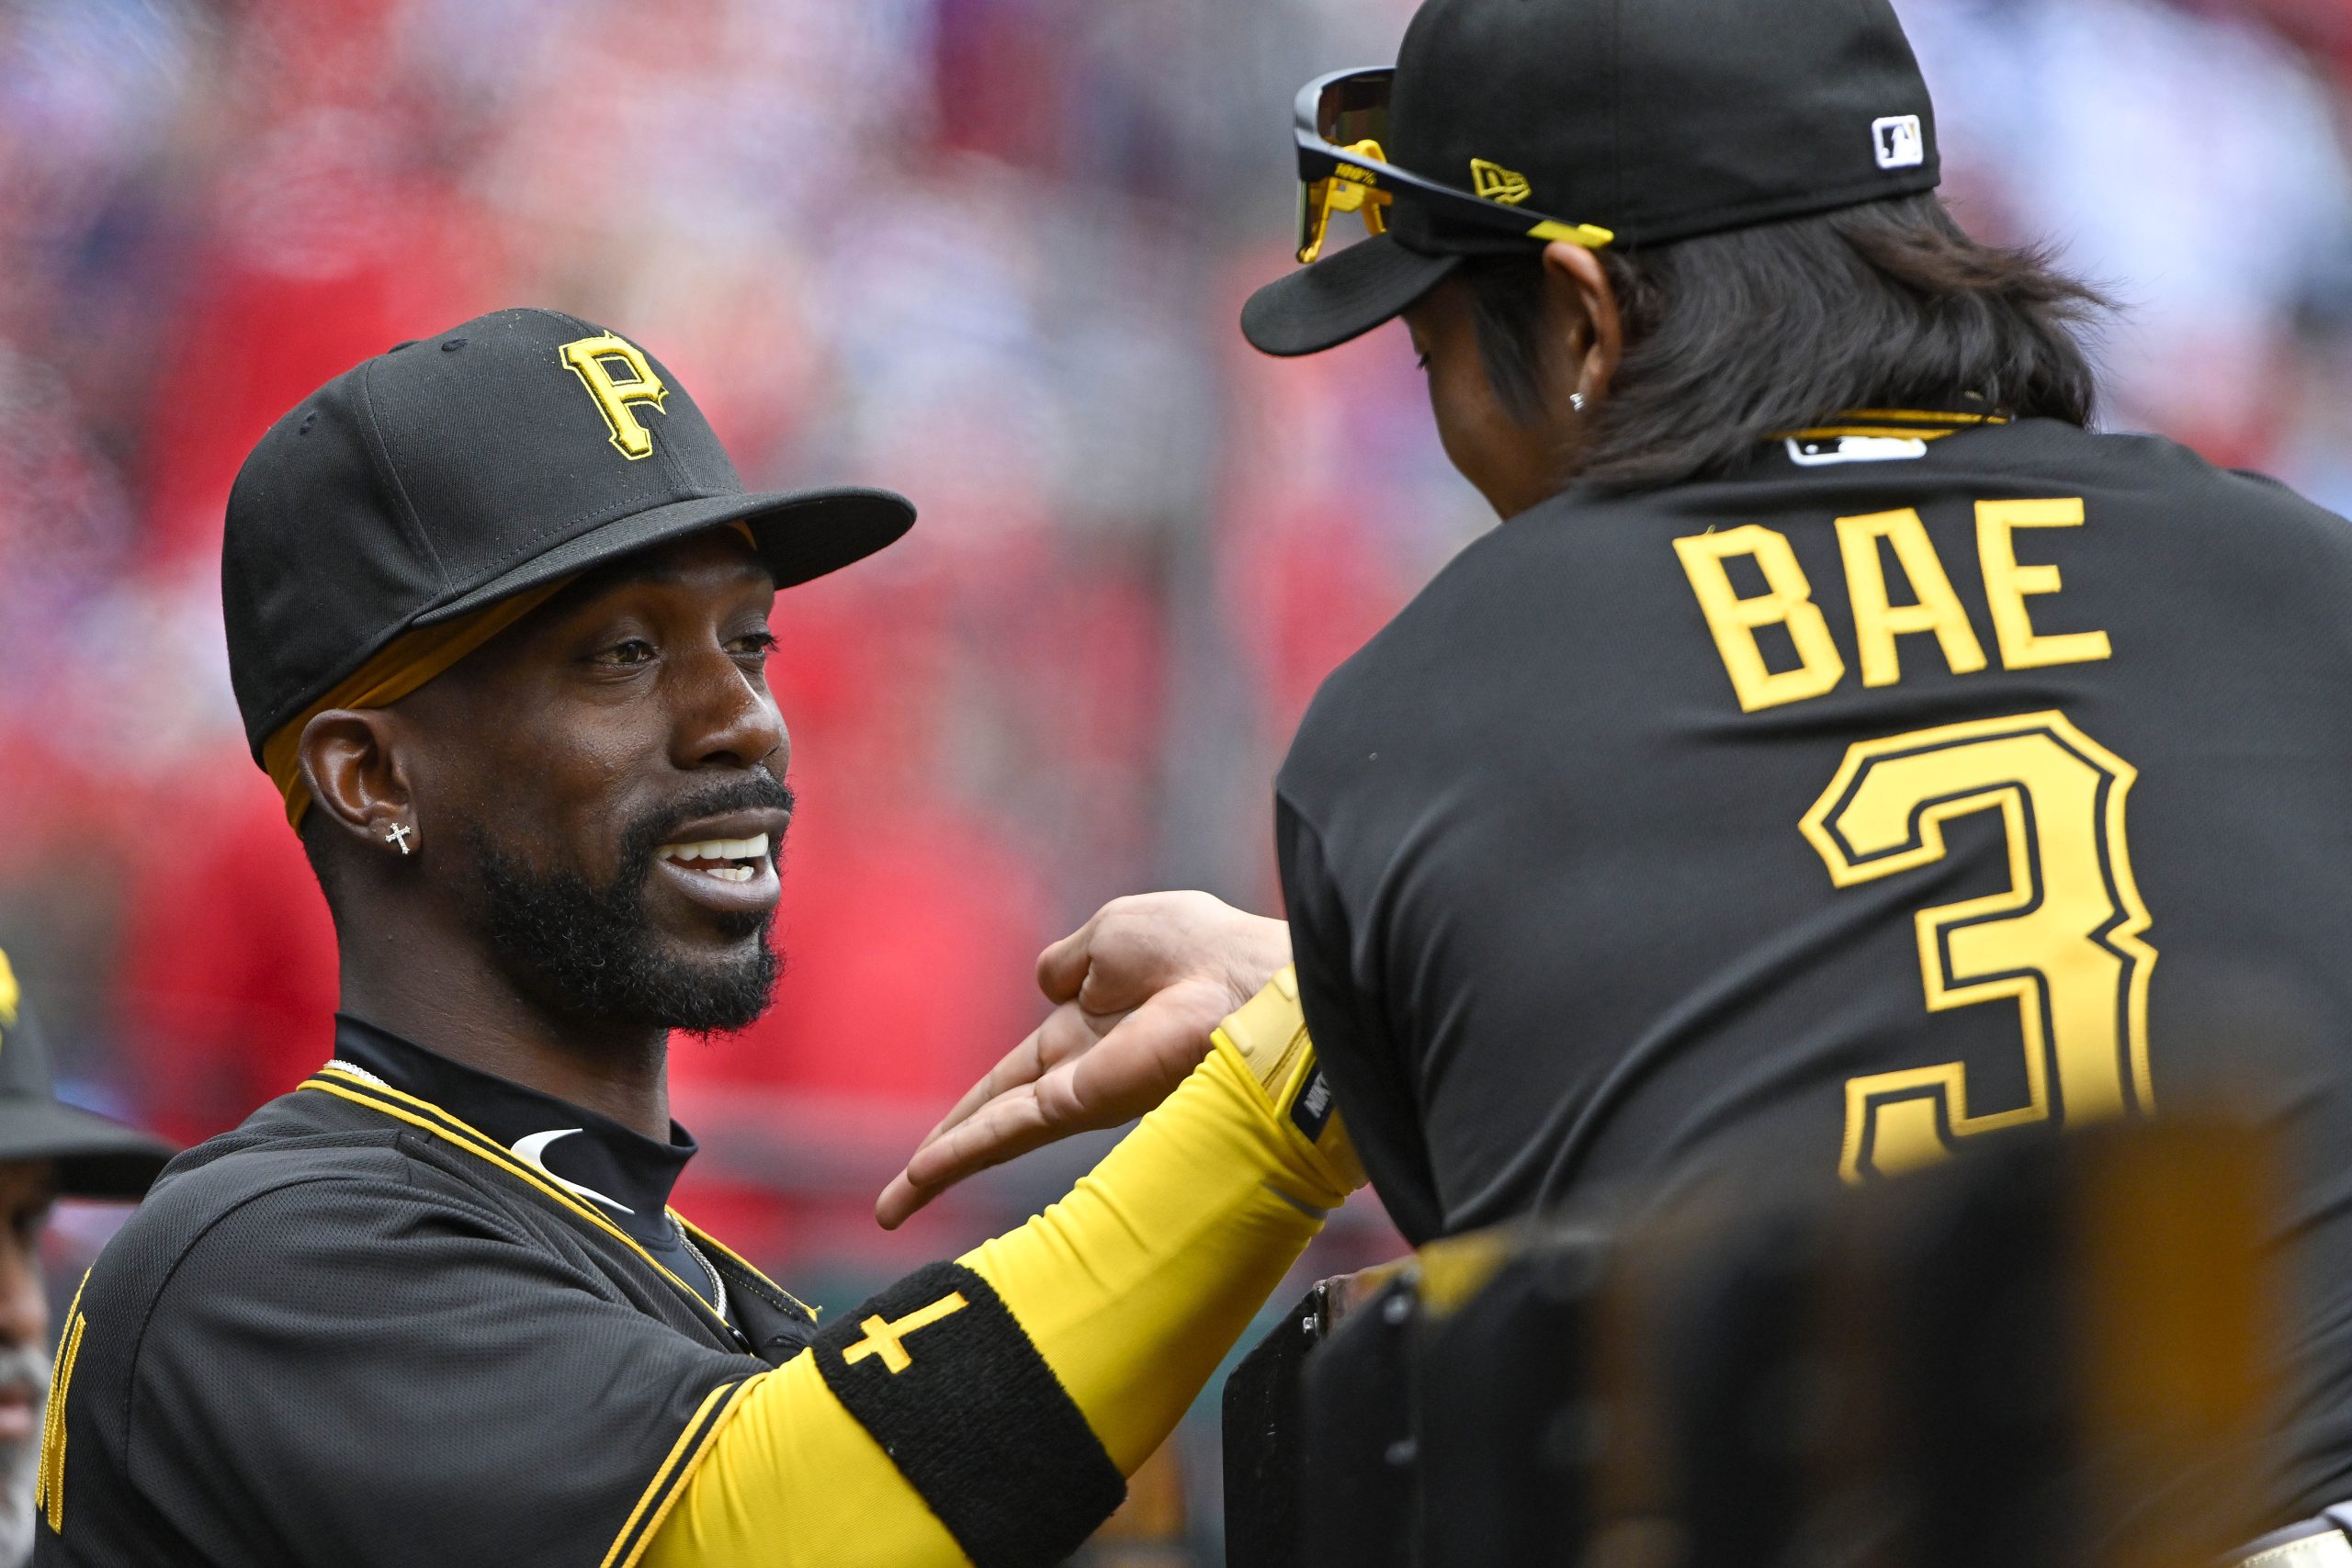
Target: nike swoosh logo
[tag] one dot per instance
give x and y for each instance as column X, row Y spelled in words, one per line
column 532, row 1150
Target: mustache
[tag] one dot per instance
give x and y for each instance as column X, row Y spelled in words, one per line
column 25, row 1366
column 757, row 790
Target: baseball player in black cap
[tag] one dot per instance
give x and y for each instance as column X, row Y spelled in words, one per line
column 497, row 614
column 1837, row 746
column 48, row 1150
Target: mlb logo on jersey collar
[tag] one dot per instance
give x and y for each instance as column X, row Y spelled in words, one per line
column 1817, row 452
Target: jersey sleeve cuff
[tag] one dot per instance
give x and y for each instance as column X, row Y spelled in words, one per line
column 1268, row 1036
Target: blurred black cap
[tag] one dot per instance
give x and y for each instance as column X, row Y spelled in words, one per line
column 1658, row 119
column 508, row 452
column 95, row 1157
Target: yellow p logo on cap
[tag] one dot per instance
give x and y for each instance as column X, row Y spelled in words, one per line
column 8, row 994
column 593, row 359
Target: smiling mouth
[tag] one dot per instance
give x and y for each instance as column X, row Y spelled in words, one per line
column 727, row 859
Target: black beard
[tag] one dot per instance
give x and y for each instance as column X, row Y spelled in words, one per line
column 588, row 953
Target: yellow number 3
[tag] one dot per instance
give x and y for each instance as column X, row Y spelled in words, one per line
column 2063, row 939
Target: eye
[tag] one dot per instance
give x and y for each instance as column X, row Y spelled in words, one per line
column 753, row 645
column 634, row 651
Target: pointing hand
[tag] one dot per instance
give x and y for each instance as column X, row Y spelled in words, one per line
column 1139, row 988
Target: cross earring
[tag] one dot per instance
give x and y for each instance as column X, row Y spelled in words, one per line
column 398, row 834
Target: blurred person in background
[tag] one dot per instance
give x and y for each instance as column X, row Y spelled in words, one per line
column 48, row 1150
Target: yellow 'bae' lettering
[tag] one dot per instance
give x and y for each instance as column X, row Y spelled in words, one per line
column 1788, row 601
column 1878, row 623
column 1936, row 607
column 2007, row 584
column 592, row 359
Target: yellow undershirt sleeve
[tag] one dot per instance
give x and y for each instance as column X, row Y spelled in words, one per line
column 1134, row 1286
column 1131, row 1290
column 793, row 1481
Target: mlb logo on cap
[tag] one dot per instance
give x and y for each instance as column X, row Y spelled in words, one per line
column 1900, row 143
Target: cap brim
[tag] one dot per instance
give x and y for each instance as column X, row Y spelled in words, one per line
column 1341, row 297
column 801, row 537
column 95, row 1157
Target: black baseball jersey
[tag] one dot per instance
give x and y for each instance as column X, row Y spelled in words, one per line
column 1930, row 775
column 408, row 1314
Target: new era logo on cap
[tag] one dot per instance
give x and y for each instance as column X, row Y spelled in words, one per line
column 1497, row 184
column 1899, row 142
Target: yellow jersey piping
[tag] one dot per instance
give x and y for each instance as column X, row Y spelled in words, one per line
column 1893, row 424
column 1923, row 416
column 360, row 1092
column 1882, row 432
column 669, row 1483
column 741, row 1262
column 48, row 1475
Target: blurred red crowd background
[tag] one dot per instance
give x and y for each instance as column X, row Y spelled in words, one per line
column 964, row 248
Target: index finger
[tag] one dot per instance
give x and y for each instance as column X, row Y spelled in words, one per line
column 1064, row 1032
column 1019, row 1066
column 1005, row 1129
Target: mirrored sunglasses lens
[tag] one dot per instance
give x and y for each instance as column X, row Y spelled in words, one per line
column 1353, row 110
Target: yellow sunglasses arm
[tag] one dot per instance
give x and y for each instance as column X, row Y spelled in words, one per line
column 1591, row 236
column 1348, row 189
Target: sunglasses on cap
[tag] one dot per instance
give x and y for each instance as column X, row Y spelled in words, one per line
column 1342, row 125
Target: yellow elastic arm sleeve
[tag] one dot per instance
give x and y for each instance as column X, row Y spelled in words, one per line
column 1130, row 1289
column 1134, row 1286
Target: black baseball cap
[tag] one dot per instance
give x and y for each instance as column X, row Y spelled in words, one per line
column 454, row 471
column 1636, row 122
column 95, row 1157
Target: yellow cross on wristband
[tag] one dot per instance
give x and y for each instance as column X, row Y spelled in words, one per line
column 885, row 1339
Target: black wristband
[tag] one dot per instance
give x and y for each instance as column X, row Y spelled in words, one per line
column 943, row 1376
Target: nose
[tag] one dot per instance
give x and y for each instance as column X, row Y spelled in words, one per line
column 24, row 1308
column 725, row 718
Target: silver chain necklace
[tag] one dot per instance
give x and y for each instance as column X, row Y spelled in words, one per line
column 717, row 1285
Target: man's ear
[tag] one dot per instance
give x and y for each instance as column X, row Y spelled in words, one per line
column 1576, row 280
column 356, row 776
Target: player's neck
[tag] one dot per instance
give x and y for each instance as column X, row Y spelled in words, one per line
column 454, row 1001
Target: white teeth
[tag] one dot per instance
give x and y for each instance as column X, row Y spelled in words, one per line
column 731, row 873
column 753, row 848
